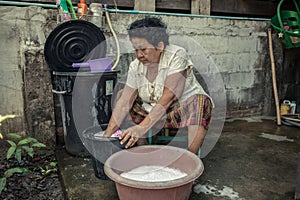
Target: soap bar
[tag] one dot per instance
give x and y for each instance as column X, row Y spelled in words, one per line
column 117, row 133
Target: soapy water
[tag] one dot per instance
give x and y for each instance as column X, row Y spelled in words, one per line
column 225, row 192
column 153, row 173
column 101, row 134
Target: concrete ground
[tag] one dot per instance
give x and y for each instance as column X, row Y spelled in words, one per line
column 253, row 159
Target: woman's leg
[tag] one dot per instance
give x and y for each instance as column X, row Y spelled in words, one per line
column 194, row 113
column 196, row 135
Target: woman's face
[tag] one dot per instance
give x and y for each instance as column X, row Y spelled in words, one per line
column 145, row 52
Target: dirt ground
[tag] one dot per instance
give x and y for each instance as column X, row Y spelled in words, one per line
column 36, row 184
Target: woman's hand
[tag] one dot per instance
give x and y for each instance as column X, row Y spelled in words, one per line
column 107, row 133
column 132, row 135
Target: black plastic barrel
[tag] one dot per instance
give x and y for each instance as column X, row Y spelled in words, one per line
column 85, row 97
column 86, row 100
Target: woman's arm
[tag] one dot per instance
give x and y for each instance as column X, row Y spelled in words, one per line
column 121, row 110
column 173, row 89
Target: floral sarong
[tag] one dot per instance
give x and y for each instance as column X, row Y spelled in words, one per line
column 194, row 111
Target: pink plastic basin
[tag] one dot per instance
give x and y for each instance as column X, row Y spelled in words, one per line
column 173, row 157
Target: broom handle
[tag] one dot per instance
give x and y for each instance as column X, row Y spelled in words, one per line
column 274, row 77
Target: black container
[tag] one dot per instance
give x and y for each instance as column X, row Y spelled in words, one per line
column 73, row 41
column 86, row 100
column 100, row 148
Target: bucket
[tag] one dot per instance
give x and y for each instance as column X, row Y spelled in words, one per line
column 85, row 100
column 287, row 24
column 100, row 148
column 157, row 155
column 285, row 107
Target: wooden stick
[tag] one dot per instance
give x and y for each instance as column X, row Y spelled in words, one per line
column 274, row 78
column 290, row 118
column 144, row 5
column 201, row 7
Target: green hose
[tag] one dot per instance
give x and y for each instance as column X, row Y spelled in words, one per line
column 69, row 2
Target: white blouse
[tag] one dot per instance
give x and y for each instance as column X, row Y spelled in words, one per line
column 173, row 59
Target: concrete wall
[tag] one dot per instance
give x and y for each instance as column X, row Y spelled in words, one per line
column 25, row 84
column 239, row 49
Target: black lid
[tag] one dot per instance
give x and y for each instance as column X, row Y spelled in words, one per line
column 71, row 42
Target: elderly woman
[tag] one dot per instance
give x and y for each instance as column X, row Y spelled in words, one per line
column 161, row 89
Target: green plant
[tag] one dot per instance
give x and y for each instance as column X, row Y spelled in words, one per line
column 23, row 145
column 17, row 147
column 47, row 170
column 8, row 173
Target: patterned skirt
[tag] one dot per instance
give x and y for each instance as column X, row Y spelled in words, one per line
column 194, row 111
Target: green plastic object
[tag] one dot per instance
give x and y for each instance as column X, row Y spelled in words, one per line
column 64, row 7
column 287, row 24
column 74, row 16
column 64, row 11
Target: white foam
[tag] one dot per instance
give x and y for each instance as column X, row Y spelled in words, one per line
column 225, row 192
column 275, row 137
column 153, row 173
column 99, row 134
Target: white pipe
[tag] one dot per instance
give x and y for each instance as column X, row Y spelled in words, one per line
column 115, row 37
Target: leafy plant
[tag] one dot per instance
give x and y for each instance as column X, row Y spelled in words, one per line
column 47, row 170
column 23, row 145
column 8, row 173
column 17, row 147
